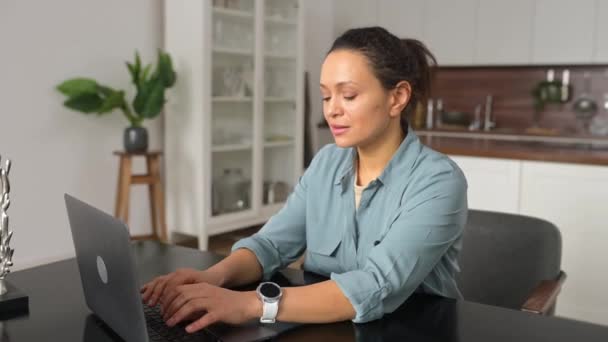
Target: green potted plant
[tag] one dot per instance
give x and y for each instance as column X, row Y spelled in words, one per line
column 88, row 96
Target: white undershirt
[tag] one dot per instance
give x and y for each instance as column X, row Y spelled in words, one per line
column 358, row 191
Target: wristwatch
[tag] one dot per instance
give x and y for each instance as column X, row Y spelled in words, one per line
column 270, row 294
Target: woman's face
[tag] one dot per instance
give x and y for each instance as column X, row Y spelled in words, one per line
column 355, row 105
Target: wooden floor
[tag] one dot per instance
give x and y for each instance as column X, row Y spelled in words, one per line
column 222, row 244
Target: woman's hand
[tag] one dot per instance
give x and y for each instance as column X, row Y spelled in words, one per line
column 213, row 304
column 163, row 288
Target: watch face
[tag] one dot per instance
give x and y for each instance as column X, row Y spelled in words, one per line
column 270, row 290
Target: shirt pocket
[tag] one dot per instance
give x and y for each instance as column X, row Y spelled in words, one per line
column 323, row 252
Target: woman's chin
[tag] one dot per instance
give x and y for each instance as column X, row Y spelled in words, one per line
column 343, row 142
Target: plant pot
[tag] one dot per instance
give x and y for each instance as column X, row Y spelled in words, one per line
column 135, row 139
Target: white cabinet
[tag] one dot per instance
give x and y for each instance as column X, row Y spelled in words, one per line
column 575, row 198
column 563, row 31
column 503, row 32
column 493, row 183
column 234, row 128
column 489, row 32
column 403, row 18
column 600, row 49
column 450, row 30
column 354, row 13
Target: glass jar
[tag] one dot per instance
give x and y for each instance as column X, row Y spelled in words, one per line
column 230, row 194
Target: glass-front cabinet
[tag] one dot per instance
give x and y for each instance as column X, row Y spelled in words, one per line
column 234, row 126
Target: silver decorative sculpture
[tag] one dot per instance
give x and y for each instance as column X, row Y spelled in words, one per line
column 6, row 252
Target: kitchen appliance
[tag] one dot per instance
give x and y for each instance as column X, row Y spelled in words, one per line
column 585, row 106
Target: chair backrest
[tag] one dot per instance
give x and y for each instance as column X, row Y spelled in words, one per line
column 504, row 257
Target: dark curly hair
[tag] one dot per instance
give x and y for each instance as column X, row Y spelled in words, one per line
column 392, row 60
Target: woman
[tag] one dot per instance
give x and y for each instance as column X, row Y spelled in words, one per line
column 378, row 212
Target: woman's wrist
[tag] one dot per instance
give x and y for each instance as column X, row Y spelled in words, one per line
column 254, row 305
column 213, row 277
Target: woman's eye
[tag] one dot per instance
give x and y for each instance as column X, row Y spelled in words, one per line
column 325, row 99
column 350, row 98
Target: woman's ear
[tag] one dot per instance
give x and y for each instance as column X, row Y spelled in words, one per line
column 401, row 95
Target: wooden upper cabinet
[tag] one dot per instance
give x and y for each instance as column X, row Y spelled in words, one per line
column 504, row 32
column 450, row 30
column 563, row 31
column 403, row 18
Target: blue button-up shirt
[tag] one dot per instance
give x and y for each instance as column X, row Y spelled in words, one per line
column 404, row 237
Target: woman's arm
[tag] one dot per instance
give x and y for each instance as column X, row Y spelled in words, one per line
column 241, row 267
column 323, row 302
column 319, row 303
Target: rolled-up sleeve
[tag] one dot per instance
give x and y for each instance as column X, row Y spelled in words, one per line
column 418, row 238
column 283, row 238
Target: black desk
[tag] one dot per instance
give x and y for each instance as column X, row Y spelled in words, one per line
column 58, row 311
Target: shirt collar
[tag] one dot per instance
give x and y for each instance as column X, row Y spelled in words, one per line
column 399, row 167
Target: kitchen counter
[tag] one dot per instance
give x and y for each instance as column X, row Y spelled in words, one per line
column 593, row 153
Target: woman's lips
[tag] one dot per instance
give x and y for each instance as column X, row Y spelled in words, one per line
column 338, row 130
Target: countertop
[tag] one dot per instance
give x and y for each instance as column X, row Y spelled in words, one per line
column 510, row 144
column 592, row 153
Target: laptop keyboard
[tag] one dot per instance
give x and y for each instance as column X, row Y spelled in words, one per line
column 159, row 331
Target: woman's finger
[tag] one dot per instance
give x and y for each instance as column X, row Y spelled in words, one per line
column 203, row 322
column 183, row 294
column 171, row 292
column 157, row 292
column 148, row 288
column 169, row 308
column 186, row 310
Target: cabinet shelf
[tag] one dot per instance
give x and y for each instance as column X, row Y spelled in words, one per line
column 231, row 99
column 233, row 51
column 232, row 13
column 275, row 99
column 271, row 144
column 231, row 148
column 282, row 22
column 279, row 55
column 272, row 208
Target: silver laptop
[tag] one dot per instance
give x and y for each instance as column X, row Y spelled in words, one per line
column 108, row 275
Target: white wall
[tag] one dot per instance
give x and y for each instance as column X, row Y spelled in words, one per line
column 55, row 150
column 319, row 27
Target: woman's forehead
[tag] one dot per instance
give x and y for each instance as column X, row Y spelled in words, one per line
column 344, row 67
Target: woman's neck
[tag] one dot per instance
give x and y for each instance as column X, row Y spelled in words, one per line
column 373, row 157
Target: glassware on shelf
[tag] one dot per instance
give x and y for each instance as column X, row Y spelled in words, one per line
column 232, row 34
column 278, row 80
column 228, row 4
column 247, row 75
column 274, row 41
column 273, row 81
column 222, row 137
column 277, row 137
column 281, row 10
column 275, row 192
column 231, row 191
column 218, row 32
column 233, row 80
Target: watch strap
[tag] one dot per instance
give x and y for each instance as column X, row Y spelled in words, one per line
column 269, row 312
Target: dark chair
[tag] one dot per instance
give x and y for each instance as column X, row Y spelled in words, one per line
column 511, row 261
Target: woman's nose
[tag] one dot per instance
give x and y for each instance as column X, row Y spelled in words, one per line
column 333, row 108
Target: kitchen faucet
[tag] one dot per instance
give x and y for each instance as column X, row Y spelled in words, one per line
column 488, row 124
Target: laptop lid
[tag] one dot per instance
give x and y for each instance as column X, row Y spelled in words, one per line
column 107, row 269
